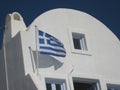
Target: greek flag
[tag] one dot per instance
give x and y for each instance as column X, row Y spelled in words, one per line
column 49, row 45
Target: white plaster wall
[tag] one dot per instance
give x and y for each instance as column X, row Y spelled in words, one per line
column 14, row 62
column 17, row 78
column 2, row 71
column 102, row 59
column 13, row 26
column 57, row 24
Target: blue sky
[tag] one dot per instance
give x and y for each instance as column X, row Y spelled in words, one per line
column 107, row 11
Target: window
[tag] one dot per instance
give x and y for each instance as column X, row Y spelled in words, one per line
column 53, row 84
column 79, row 41
column 113, row 87
column 85, row 84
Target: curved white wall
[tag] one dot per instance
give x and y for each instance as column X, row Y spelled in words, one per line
column 102, row 58
column 100, row 62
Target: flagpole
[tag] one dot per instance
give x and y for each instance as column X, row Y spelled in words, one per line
column 36, row 40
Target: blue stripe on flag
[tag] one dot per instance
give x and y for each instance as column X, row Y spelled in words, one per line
column 47, row 35
column 40, row 33
column 54, row 44
column 50, row 53
column 51, row 38
column 53, row 49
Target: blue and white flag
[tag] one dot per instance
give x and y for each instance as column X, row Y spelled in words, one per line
column 49, row 45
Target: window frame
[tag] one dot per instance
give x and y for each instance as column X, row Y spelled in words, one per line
column 81, row 40
column 113, row 87
column 87, row 40
column 53, row 83
column 95, row 82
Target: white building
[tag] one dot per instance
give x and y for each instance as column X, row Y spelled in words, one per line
column 92, row 59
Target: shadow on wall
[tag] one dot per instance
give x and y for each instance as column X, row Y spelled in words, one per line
column 45, row 61
column 29, row 84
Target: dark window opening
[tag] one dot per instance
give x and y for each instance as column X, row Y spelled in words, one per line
column 48, row 86
column 76, row 43
column 79, row 41
column 113, row 87
column 58, row 87
column 84, row 86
